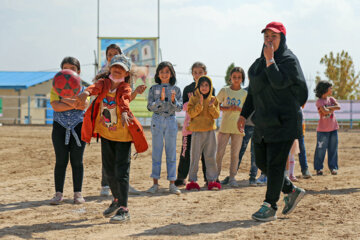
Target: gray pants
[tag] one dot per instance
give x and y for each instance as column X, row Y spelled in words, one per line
column 203, row 142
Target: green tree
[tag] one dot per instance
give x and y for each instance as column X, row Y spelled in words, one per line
column 340, row 72
column 227, row 76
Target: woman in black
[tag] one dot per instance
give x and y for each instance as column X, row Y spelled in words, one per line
column 277, row 90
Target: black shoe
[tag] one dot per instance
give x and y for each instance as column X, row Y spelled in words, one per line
column 179, row 182
column 292, row 199
column 121, row 215
column 115, row 205
column 225, row 181
column 319, row 173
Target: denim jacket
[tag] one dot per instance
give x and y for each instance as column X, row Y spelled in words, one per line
column 167, row 107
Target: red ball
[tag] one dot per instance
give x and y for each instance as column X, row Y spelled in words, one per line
column 67, row 83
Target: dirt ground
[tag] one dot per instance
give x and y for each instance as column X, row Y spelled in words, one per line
column 328, row 210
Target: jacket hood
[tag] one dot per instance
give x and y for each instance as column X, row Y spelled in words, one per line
column 202, row 79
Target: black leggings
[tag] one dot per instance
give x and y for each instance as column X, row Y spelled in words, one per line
column 62, row 153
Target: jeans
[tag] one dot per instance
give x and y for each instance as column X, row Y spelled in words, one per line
column 271, row 159
column 302, row 154
column 63, row 153
column 326, row 141
column 164, row 128
column 249, row 130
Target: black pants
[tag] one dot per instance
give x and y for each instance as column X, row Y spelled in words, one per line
column 103, row 178
column 62, row 153
column 184, row 162
column 271, row 159
column 116, row 164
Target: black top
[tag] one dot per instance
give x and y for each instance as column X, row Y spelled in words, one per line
column 276, row 94
column 190, row 89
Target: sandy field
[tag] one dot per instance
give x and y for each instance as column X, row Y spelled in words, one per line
column 329, row 210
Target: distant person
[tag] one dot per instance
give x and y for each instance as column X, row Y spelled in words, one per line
column 66, row 138
column 112, row 116
column 231, row 100
column 164, row 100
column 198, row 69
column 327, row 136
column 111, row 51
column 277, row 90
column 203, row 109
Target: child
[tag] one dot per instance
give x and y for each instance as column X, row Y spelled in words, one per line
column 68, row 116
column 111, row 113
column 164, row 100
column 231, row 100
column 290, row 165
column 203, row 109
column 327, row 137
column 111, row 51
column 198, row 69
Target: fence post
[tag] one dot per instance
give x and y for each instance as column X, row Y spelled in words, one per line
column 29, row 102
column 351, row 120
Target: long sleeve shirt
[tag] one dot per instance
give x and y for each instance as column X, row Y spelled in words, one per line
column 167, row 107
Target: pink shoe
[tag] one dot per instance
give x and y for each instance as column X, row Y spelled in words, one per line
column 214, row 186
column 57, row 199
column 78, row 198
column 293, row 178
column 192, row 186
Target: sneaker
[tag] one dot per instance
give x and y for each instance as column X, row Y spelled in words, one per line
column 192, row 186
column 252, row 182
column 334, row 172
column 265, row 214
column 57, row 199
column 180, row 182
column 78, row 198
column 262, row 180
column 233, row 183
column 121, row 215
column 154, row 189
column 225, row 181
column 214, row 186
column 173, row 189
column 293, row 178
column 292, row 199
column 105, row 191
column 319, row 172
column 115, row 205
column 133, row 191
column 306, row 174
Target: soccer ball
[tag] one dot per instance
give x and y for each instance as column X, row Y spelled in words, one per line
column 67, row 83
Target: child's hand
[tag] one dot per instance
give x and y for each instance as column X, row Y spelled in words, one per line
column 162, row 96
column 140, row 89
column 190, row 94
column 211, row 101
column 236, row 108
column 173, row 94
column 125, row 118
column 201, row 99
column 241, row 124
column 81, row 98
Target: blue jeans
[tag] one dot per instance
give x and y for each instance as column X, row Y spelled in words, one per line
column 326, row 141
column 302, row 155
column 249, row 130
column 164, row 128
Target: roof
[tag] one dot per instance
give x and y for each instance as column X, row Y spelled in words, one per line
column 24, row 80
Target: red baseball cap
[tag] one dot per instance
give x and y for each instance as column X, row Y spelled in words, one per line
column 277, row 27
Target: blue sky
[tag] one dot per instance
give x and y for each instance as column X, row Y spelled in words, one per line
column 37, row 34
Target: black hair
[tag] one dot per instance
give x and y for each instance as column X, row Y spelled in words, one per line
column 201, row 80
column 321, row 88
column 72, row 61
column 240, row 70
column 172, row 71
column 113, row 46
column 198, row 65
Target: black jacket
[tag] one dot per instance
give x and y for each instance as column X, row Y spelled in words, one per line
column 276, row 94
column 190, row 89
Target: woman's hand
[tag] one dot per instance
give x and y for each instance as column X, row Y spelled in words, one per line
column 241, row 124
column 268, row 52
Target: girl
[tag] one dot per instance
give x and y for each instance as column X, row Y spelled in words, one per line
column 111, row 119
column 68, row 116
column 198, row 69
column 290, row 165
column 203, row 108
column 327, row 137
column 164, row 100
column 231, row 100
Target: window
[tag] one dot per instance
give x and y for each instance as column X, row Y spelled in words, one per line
column 40, row 100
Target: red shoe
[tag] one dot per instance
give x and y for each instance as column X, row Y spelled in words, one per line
column 293, row 178
column 214, row 186
column 192, row 185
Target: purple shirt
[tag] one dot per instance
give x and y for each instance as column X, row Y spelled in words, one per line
column 328, row 122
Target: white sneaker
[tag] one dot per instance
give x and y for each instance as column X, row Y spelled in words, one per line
column 233, row 183
column 105, row 191
column 173, row 189
column 78, row 198
column 57, row 199
column 154, row 189
column 133, row 191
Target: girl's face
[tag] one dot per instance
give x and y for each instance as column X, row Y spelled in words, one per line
column 118, row 72
column 273, row 38
column 236, row 78
column 328, row 93
column 197, row 72
column 111, row 53
column 165, row 75
column 71, row 67
column 204, row 88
